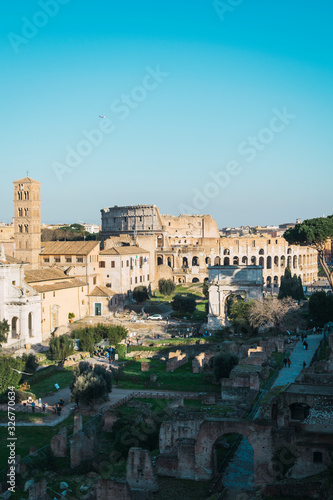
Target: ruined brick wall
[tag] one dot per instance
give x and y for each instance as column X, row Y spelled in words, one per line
column 139, row 470
column 176, row 359
column 59, row 443
column 108, row 488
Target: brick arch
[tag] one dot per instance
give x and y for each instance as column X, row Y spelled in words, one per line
column 258, row 436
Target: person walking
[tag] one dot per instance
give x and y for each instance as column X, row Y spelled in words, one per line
column 285, row 362
column 33, row 407
column 289, row 362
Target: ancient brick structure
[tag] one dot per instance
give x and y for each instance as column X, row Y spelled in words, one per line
column 176, row 359
column 109, row 418
column 139, row 470
column 145, row 366
column 108, row 488
column 38, row 490
column 201, row 361
column 59, row 443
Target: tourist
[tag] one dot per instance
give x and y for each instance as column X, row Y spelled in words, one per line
column 33, row 407
column 305, row 345
column 44, row 408
column 289, row 362
column 59, row 410
column 285, row 362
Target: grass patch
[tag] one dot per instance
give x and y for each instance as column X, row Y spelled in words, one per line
column 181, row 380
column 63, row 379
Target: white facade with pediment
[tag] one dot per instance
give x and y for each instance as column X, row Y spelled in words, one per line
column 224, row 281
column 20, row 305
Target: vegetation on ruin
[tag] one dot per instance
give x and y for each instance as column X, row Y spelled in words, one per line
column 90, row 385
column 223, row 363
column 314, row 233
column 140, row 294
column 291, row 286
column 60, row 348
column 166, row 287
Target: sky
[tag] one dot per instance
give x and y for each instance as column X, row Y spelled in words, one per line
column 221, row 107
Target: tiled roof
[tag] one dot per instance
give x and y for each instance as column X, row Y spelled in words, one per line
column 47, row 274
column 12, row 260
column 68, row 247
column 102, row 291
column 26, row 179
column 125, row 250
column 59, row 285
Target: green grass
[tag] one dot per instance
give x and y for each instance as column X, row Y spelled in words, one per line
column 181, row 379
column 22, row 416
column 32, row 436
column 63, row 379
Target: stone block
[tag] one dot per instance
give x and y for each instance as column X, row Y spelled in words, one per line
column 145, row 366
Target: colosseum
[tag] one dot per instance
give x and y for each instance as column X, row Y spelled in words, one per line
column 182, row 248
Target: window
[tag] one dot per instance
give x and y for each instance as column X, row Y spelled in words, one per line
column 14, row 283
column 20, row 197
column 26, row 195
column 136, row 279
column 109, row 285
column 79, row 259
column 147, row 277
column 68, row 259
column 43, row 295
column 53, row 294
column 113, row 264
column 26, row 212
column 20, row 228
column 46, row 259
column 269, row 242
column 26, row 228
column 20, row 212
column 94, row 280
column 140, row 279
column 122, row 263
column 127, row 263
column 317, row 457
column 83, row 302
column 56, row 259
column 131, row 281
column 102, row 263
column 82, row 289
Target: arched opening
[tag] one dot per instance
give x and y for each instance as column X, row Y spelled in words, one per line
column 268, row 281
column 261, row 251
column 269, row 262
column 261, row 261
column 185, row 262
column 30, row 324
column 169, row 262
column 289, row 251
column 244, row 260
column 15, row 328
column 276, row 261
column 283, row 261
column 195, row 261
column 253, row 261
column 159, row 260
column 276, row 281
column 289, row 262
column 233, row 472
column 299, row 411
column 233, row 297
column 217, row 261
column 159, row 241
column 295, row 261
column 208, row 261
column 226, row 261
column 226, row 251
column 236, row 261
column 195, row 280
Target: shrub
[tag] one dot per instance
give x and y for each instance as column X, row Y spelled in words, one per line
column 61, row 347
column 140, row 294
column 166, row 287
column 223, row 363
column 183, row 303
column 8, row 376
column 120, row 349
column 90, row 385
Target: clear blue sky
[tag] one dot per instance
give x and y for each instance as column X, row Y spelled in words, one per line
column 226, row 74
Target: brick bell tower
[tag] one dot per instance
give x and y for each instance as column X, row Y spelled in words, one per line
column 27, row 220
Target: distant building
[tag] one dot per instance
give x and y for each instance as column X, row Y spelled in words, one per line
column 92, row 228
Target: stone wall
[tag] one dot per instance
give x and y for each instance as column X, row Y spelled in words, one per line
column 176, row 359
column 108, row 488
column 201, row 361
column 59, row 443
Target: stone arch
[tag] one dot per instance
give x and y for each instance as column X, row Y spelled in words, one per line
column 269, row 262
column 15, row 323
column 289, row 251
column 295, row 261
column 235, row 261
column 253, row 260
column 217, row 261
column 276, row 261
column 283, row 261
column 261, row 251
column 226, row 251
column 208, row 261
column 226, row 261
column 195, row 280
column 185, row 262
column 30, row 324
column 169, row 261
column 261, row 261
column 289, row 261
column 195, row 261
column 268, row 281
column 276, row 281
column 160, row 260
column 258, row 437
column 244, row 260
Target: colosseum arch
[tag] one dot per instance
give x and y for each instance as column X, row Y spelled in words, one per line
column 208, row 261
column 261, row 261
column 160, row 260
column 253, row 260
column 195, row 261
column 245, row 260
column 269, row 262
column 235, row 261
column 276, row 261
column 226, row 261
column 226, row 251
column 261, row 251
column 295, row 261
column 217, row 261
column 283, row 261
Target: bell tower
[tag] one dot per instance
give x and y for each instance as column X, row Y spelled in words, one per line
column 27, row 220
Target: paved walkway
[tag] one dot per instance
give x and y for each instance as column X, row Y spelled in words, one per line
column 238, row 474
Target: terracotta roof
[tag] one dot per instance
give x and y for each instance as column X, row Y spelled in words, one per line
column 60, row 285
column 68, row 247
column 26, row 179
column 47, row 274
column 125, row 250
column 12, row 260
column 102, row 291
